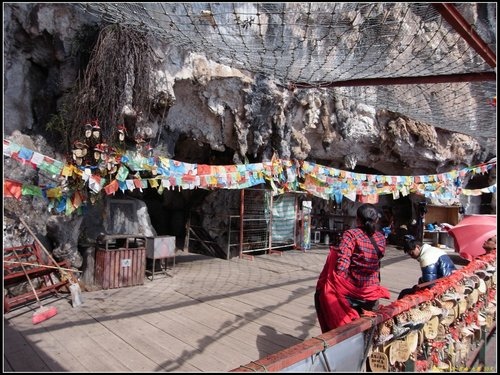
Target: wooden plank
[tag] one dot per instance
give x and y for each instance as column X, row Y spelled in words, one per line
column 182, row 329
column 163, row 351
column 266, row 338
column 279, row 307
column 52, row 353
column 218, row 328
column 212, row 316
column 123, row 310
column 258, row 300
column 184, row 349
column 20, row 354
column 92, row 355
column 225, row 348
column 300, row 330
column 121, row 349
column 395, row 282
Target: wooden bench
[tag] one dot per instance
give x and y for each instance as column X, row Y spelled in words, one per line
column 45, row 279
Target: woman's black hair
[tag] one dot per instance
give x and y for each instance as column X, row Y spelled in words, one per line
column 368, row 216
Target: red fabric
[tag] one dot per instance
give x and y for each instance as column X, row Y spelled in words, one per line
column 111, row 188
column 370, row 198
column 204, row 169
column 334, row 310
column 188, row 178
column 471, row 232
column 12, row 189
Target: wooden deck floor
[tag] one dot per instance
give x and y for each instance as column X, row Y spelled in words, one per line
column 213, row 315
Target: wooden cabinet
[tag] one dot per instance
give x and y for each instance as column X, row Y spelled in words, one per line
column 442, row 214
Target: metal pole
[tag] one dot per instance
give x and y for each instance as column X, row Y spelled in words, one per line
column 270, row 231
column 187, row 228
column 242, row 211
column 229, row 237
column 297, row 218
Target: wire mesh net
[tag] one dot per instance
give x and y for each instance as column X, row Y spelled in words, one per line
column 314, row 45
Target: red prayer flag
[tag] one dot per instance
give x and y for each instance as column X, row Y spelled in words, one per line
column 112, row 187
column 204, row 169
column 12, row 189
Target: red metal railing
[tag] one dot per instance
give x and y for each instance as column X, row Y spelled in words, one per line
column 312, row 347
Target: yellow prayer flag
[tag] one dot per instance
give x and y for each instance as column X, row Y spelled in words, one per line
column 54, row 192
column 67, row 170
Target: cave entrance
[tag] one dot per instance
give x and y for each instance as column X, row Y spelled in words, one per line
column 244, row 223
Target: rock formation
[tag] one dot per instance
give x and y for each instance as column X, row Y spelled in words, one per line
column 197, row 110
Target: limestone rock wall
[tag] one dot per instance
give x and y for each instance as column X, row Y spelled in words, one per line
column 207, row 112
column 215, row 105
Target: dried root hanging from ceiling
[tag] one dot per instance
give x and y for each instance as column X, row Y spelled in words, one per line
column 116, row 85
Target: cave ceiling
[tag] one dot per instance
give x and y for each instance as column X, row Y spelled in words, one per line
column 433, row 62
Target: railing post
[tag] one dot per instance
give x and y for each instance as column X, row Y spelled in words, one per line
column 410, row 365
column 482, row 350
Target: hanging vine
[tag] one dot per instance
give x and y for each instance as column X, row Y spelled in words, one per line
column 119, row 73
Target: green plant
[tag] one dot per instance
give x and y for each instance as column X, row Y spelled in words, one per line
column 59, row 125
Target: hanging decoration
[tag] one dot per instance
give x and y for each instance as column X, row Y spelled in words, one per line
column 437, row 328
column 87, row 130
column 101, row 152
column 122, row 132
column 96, row 130
column 112, row 169
column 79, row 152
column 139, row 145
